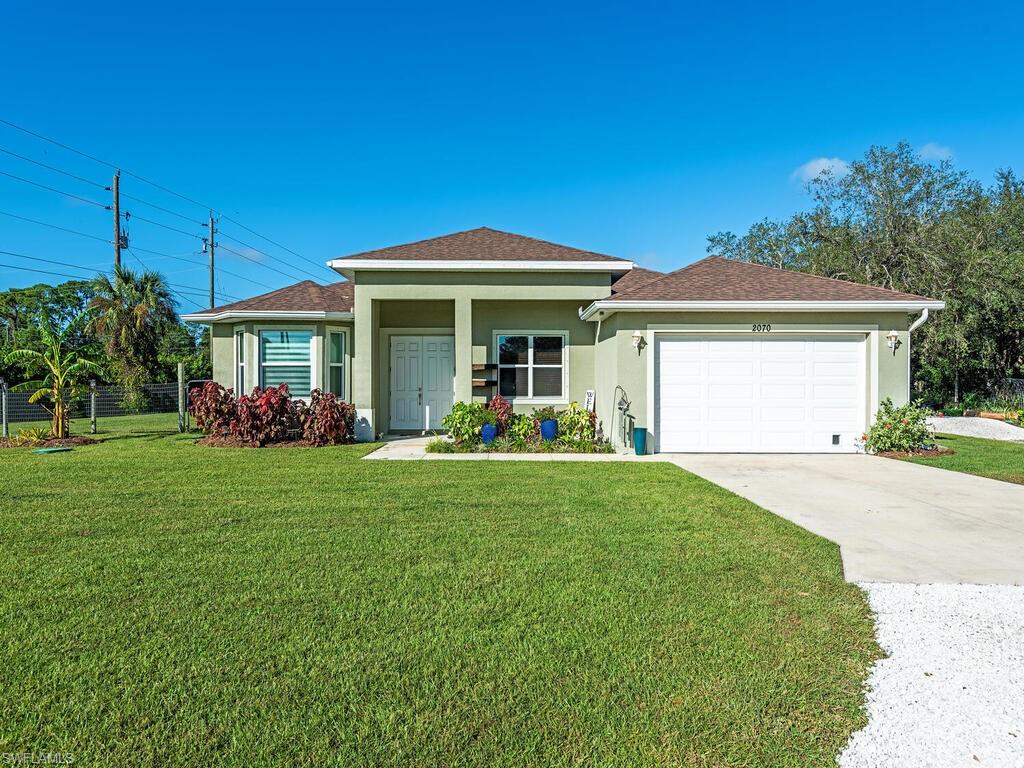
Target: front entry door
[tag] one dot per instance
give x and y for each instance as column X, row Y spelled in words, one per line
column 422, row 381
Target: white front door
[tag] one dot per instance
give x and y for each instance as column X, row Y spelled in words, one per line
column 785, row 393
column 422, row 381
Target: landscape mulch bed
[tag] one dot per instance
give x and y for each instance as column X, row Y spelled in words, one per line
column 929, row 453
column 65, row 442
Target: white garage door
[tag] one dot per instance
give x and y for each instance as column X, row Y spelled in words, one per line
column 770, row 394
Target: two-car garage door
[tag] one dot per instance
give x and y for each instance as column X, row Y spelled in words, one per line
column 759, row 394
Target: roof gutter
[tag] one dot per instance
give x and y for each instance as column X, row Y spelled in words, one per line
column 606, row 306
column 216, row 317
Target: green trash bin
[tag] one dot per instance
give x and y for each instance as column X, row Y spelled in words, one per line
column 640, row 440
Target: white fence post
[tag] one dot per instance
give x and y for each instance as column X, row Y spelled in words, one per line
column 181, row 397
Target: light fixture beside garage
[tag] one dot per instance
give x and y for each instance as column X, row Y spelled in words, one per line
column 639, row 341
column 893, row 337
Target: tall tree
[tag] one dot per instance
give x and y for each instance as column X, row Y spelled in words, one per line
column 133, row 310
column 896, row 221
column 63, row 369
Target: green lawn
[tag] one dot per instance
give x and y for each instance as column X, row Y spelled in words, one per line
column 169, row 604
column 997, row 459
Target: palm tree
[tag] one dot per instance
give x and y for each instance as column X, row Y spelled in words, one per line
column 132, row 309
column 64, row 370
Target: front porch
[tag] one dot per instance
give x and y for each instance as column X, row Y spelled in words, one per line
column 424, row 355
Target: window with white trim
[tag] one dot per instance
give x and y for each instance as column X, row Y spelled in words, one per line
column 286, row 358
column 531, row 366
column 336, row 363
column 240, row 362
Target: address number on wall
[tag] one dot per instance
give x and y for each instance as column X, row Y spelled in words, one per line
column 761, row 327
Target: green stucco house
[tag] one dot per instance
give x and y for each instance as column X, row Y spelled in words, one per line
column 718, row 356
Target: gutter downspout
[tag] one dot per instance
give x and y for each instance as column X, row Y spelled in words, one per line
column 921, row 320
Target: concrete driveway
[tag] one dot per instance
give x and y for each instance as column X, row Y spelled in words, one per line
column 894, row 521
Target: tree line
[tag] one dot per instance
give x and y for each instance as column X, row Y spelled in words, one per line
column 897, row 221
column 125, row 324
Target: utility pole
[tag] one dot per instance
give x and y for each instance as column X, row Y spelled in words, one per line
column 117, row 218
column 210, row 246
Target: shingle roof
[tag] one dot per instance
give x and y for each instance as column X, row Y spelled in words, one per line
column 482, row 244
column 306, row 296
column 719, row 279
column 635, row 278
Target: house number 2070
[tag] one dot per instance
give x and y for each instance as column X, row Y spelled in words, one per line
column 761, row 327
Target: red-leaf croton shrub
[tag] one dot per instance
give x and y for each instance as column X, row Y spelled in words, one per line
column 213, row 408
column 502, row 410
column 328, row 420
column 265, row 416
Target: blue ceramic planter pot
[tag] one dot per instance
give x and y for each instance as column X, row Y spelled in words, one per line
column 487, row 433
column 548, row 429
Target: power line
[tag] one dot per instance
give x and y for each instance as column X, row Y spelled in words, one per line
column 272, row 242
column 51, row 261
column 255, row 260
column 220, row 270
column 161, row 208
column 42, row 271
column 164, row 189
column 54, row 168
column 54, row 189
column 54, row 226
column 264, row 253
column 129, row 216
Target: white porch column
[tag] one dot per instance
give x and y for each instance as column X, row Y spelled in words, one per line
column 363, row 367
column 464, row 349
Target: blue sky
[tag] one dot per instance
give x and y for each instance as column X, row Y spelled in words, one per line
column 632, row 129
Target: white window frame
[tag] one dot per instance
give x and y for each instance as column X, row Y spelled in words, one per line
column 344, row 364
column 546, row 400
column 314, row 354
column 239, row 339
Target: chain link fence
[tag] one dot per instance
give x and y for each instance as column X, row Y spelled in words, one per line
column 100, row 408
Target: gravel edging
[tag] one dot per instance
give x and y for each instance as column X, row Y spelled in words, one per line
column 975, row 426
column 951, row 690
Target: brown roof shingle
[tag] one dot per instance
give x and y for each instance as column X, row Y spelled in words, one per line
column 482, row 244
column 635, row 278
column 306, row 296
column 719, row 279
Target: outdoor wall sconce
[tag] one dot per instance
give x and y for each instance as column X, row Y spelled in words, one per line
column 639, row 342
column 894, row 341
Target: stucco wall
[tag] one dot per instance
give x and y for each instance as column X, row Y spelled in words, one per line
column 619, row 365
column 490, row 317
column 223, row 351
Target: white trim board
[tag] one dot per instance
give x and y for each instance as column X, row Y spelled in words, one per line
column 611, row 306
column 476, row 265
column 216, row 317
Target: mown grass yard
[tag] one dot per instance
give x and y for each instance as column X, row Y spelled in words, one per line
column 997, row 459
column 169, row 604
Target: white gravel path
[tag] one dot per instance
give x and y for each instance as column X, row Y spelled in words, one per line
column 951, row 690
column 977, row 427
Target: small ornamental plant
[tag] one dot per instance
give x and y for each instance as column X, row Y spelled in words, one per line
column 265, row 416
column 465, row 421
column 328, row 420
column 502, row 410
column 576, row 423
column 900, row 429
column 213, row 407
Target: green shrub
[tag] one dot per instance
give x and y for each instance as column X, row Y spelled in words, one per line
column 953, row 410
column 576, row 423
column 900, row 429
column 521, row 428
column 465, row 420
column 440, row 445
